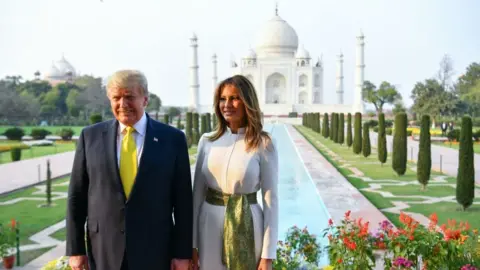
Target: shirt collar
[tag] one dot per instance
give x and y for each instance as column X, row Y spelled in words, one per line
column 140, row 126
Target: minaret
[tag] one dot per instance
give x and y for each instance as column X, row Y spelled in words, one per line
column 359, row 74
column 214, row 77
column 194, row 84
column 339, row 83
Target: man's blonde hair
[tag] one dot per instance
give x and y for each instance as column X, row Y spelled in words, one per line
column 128, row 79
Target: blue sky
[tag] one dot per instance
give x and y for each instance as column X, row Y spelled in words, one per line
column 405, row 40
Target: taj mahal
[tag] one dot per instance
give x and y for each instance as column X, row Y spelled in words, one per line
column 284, row 74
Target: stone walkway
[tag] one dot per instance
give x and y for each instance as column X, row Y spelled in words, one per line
column 444, row 159
column 28, row 172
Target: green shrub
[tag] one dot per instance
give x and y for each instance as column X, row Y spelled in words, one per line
column 466, row 167
column 424, row 163
column 399, row 154
column 39, row 133
column 196, row 131
column 209, row 122
column 179, row 122
column 325, row 125
column 389, row 131
column 375, row 129
column 16, row 153
column 66, row 133
column 382, row 139
column 166, row 119
column 292, row 114
column 332, row 126
column 214, row 121
column 14, row 134
column 203, row 126
column 349, row 130
column 357, row 138
column 366, row 148
column 341, row 129
column 49, row 184
column 372, row 123
column 454, row 135
column 95, row 118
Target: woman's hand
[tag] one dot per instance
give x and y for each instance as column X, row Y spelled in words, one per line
column 265, row 264
column 195, row 265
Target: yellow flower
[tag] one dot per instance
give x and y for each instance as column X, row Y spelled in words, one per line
column 328, row 267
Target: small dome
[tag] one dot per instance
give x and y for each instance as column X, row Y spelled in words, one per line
column 64, row 67
column 276, row 38
column 251, row 54
column 302, row 53
column 53, row 72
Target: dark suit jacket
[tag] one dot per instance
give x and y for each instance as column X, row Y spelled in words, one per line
column 142, row 225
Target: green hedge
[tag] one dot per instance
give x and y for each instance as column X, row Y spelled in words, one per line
column 382, row 139
column 349, row 130
column 366, row 148
column 424, row 163
column 466, row 168
column 357, row 138
column 341, row 129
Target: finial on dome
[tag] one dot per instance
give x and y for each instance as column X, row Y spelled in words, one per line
column 276, row 8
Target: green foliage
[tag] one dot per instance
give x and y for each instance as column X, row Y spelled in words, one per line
column 49, row 184
column 209, row 122
column 341, row 129
column 214, row 121
column 357, row 138
column 95, row 118
column 366, row 148
column 14, row 134
column 332, row 127
column 166, row 119
column 399, row 154
column 385, row 94
column 189, row 129
column 317, row 122
column 326, row 128
column 424, row 163
column 466, row 167
column 39, row 133
column 66, row 133
column 300, row 249
column 16, row 153
column 349, row 130
column 203, row 126
column 382, row 139
column 179, row 122
column 196, row 131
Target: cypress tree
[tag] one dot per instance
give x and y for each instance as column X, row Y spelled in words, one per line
column 179, row 121
column 332, row 126
column 366, row 148
column 196, row 131
column 214, row 121
column 382, row 139
column 341, row 129
column 325, row 125
column 424, row 163
column 317, row 122
column 357, row 138
column 399, row 154
column 204, row 125
column 49, row 184
column 189, row 129
column 335, row 127
column 303, row 119
column 166, row 119
column 349, row 130
column 209, row 122
column 466, row 167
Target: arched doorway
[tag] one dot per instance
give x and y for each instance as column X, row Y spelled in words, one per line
column 276, row 89
column 302, row 97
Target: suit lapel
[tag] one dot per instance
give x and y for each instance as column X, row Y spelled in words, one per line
column 110, row 142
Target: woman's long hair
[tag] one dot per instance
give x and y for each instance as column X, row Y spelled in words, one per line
column 254, row 134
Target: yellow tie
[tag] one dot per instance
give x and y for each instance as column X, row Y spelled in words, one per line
column 128, row 160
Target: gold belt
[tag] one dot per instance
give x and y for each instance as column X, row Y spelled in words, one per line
column 238, row 249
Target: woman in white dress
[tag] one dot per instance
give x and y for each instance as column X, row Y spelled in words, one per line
column 231, row 230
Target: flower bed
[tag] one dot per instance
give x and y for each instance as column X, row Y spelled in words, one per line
column 412, row 246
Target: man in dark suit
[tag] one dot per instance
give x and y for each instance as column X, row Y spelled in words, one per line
column 129, row 176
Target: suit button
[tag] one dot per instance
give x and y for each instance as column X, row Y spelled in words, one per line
column 122, row 231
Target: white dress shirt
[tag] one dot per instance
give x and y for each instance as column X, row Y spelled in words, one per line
column 139, row 135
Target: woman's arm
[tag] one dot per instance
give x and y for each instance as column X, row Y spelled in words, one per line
column 269, row 184
column 199, row 188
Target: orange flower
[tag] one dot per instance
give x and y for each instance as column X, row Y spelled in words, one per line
column 330, row 222
column 339, row 260
column 347, row 214
column 13, row 223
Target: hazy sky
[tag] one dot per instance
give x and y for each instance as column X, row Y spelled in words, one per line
column 405, row 40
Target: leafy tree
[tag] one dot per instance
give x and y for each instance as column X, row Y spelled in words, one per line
column 424, row 163
column 341, row 129
column 385, row 94
column 466, row 167
column 399, row 154
column 382, row 139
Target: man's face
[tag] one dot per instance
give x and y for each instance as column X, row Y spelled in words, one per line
column 127, row 104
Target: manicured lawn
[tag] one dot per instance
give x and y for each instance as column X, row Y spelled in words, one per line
column 52, row 129
column 476, row 146
column 37, row 151
column 372, row 169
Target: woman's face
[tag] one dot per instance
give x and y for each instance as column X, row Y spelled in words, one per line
column 231, row 106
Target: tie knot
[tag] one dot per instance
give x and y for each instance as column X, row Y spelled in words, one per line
column 129, row 130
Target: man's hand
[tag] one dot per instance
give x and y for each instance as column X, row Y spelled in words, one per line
column 180, row 264
column 195, row 265
column 78, row 262
column 265, row 264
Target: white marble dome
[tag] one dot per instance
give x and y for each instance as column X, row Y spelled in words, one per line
column 251, row 54
column 64, row 66
column 53, row 72
column 276, row 38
